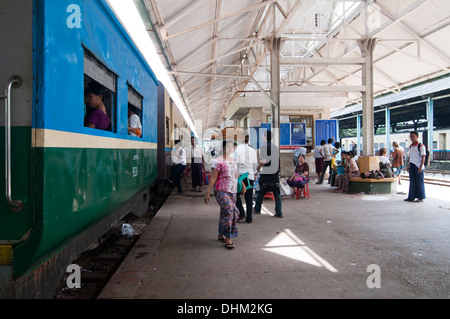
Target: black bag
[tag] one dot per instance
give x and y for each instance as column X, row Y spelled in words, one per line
column 270, row 182
column 427, row 156
column 385, row 169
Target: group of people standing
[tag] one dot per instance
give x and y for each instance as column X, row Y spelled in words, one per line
column 325, row 155
column 226, row 170
column 242, row 160
column 179, row 165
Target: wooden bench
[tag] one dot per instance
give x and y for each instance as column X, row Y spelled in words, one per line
column 371, row 185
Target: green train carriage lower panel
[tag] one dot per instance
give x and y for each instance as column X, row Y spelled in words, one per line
column 78, row 188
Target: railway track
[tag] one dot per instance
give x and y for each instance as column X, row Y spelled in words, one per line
column 99, row 262
column 434, row 177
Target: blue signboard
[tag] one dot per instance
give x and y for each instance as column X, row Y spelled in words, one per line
column 325, row 129
column 265, row 126
column 290, row 133
column 298, row 134
column 257, row 135
column 285, row 134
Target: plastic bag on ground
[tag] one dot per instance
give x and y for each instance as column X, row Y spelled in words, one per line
column 127, row 230
column 284, row 187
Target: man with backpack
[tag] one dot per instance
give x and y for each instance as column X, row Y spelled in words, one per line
column 416, row 166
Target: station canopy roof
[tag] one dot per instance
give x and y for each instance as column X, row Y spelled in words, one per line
column 219, row 50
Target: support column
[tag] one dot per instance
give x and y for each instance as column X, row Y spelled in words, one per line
column 388, row 130
column 338, row 137
column 367, row 47
column 275, row 88
column 358, row 134
column 430, row 119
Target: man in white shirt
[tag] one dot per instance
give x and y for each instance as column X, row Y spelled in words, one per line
column 134, row 122
column 247, row 162
column 382, row 158
column 178, row 155
column 327, row 156
column 416, row 166
column 318, row 157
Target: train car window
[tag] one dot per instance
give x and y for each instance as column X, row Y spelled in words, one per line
column 98, row 77
column 167, row 131
column 135, row 102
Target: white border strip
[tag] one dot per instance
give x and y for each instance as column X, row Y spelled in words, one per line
column 59, row 139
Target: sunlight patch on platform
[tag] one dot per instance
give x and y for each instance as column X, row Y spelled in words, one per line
column 265, row 211
column 288, row 245
column 376, row 197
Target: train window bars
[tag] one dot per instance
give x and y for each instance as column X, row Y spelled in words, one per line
column 97, row 74
column 135, row 109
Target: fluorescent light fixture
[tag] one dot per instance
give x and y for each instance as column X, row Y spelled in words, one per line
column 128, row 15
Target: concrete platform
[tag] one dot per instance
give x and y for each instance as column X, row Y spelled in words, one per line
column 320, row 249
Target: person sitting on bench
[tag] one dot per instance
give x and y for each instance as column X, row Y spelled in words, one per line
column 351, row 170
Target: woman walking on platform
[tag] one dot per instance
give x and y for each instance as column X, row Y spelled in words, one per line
column 224, row 179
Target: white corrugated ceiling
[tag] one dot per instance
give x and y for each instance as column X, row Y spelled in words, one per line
column 226, row 38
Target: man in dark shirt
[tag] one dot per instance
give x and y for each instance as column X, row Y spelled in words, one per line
column 269, row 162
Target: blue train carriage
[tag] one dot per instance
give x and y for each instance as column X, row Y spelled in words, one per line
column 69, row 182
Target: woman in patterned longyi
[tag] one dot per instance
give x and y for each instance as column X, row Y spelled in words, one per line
column 224, row 179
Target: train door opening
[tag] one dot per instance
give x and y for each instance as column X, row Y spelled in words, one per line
column 16, row 134
column 16, row 91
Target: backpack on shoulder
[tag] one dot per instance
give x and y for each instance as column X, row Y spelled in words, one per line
column 427, row 156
